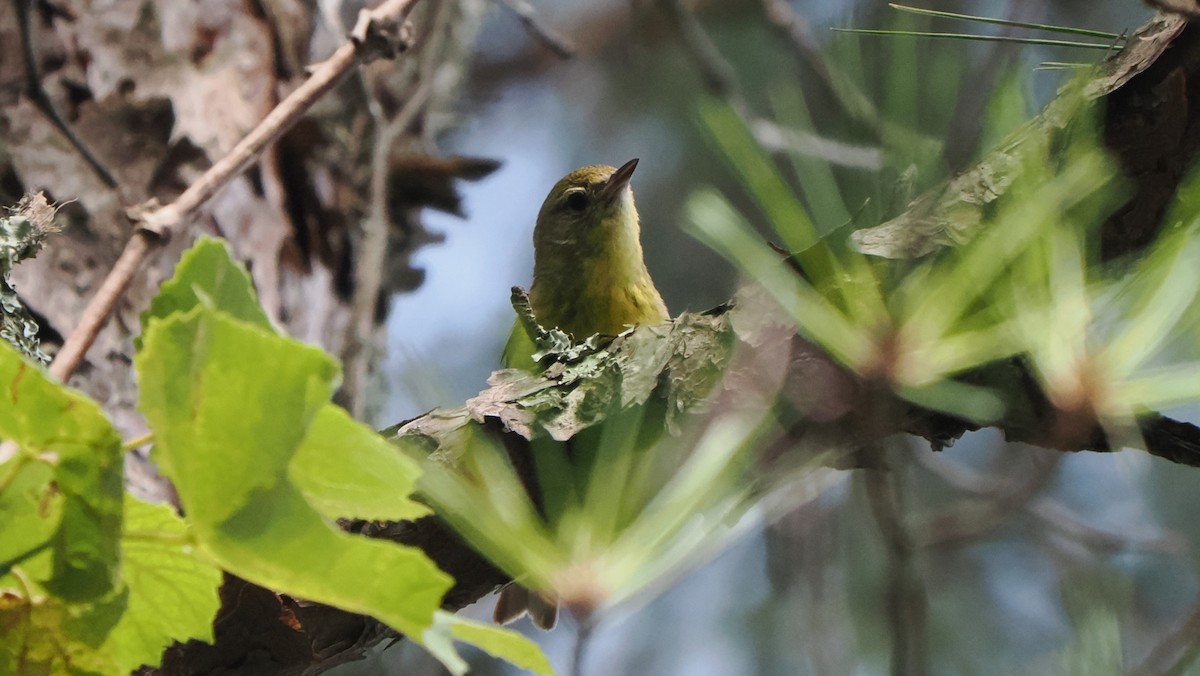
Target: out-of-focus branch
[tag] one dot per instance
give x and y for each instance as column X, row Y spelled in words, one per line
column 378, row 33
column 1188, row 8
column 906, row 604
column 368, row 269
column 793, row 29
column 37, row 94
column 1003, row 499
column 548, row 37
column 1050, row 512
column 720, row 79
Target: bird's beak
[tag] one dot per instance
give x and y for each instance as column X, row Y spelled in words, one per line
column 617, row 182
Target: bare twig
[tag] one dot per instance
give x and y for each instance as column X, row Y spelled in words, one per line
column 906, row 598
column 37, row 94
column 371, row 248
column 777, row 138
column 551, row 39
column 377, row 33
column 368, row 271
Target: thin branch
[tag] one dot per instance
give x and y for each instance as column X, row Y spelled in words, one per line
column 776, row 138
column 368, row 270
column 583, row 639
column 551, row 39
column 794, row 31
column 718, row 74
column 37, row 94
column 378, row 33
column 906, row 606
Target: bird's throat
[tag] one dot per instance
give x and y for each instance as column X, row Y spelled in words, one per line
column 597, row 283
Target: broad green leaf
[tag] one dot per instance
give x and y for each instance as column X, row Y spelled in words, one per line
column 208, row 275
column 347, row 470
column 31, row 511
column 172, row 591
column 36, row 639
column 279, row 541
column 230, row 405
column 53, row 426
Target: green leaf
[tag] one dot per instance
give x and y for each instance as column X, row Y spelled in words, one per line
column 974, row 403
column 207, row 274
column 80, row 501
column 230, row 405
column 347, row 470
column 172, row 591
column 31, row 511
column 815, row 175
column 34, row 640
column 505, row 644
column 167, row 595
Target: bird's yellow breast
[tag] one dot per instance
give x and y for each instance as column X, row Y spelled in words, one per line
column 604, row 286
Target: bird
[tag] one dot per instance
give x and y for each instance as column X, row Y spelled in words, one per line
column 589, row 274
column 589, row 277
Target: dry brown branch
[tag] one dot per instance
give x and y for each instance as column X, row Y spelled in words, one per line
column 378, row 33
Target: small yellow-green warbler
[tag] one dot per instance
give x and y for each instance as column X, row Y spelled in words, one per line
column 588, row 278
column 588, row 272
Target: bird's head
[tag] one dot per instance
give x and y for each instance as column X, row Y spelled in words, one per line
column 587, row 209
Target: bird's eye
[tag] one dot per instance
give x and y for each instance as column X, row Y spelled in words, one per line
column 577, row 200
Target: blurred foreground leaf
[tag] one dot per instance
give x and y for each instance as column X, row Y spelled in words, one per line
column 91, row 580
column 264, row 464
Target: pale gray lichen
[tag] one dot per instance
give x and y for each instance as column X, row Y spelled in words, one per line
column 22, row 232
